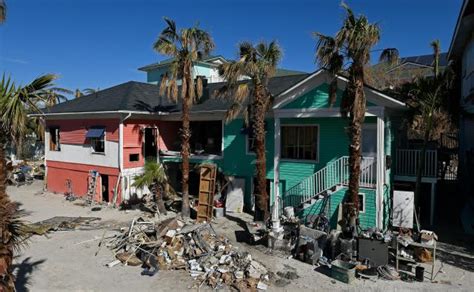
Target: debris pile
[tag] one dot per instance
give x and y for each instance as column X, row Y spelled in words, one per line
column 175, row 244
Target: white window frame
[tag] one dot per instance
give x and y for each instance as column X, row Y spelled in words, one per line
column 105, row 141
column 363, row 201
column 318, row 142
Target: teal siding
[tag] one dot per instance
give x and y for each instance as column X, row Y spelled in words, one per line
column 367, row 218
column 316, row 98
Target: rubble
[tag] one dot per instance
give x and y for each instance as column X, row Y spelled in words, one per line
column 176, row 244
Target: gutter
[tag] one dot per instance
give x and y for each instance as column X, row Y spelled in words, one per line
column 97, row 112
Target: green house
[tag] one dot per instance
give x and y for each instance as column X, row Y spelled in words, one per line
column 307, row 148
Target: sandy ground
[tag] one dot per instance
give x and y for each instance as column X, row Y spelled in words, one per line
column 66, row 261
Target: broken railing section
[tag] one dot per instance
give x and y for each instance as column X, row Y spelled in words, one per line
column 176, row 244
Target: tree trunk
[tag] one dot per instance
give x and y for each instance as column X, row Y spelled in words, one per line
column 259, row 132
column 357, row 115
column 7, row 210
column 19, row 147
column 185, row 151
column 158, row 188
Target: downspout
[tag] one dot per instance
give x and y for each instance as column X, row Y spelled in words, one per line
column 121, row 144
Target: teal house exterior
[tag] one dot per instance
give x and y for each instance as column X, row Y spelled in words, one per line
column 307, row 150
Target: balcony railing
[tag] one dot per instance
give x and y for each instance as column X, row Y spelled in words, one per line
column 407, row 160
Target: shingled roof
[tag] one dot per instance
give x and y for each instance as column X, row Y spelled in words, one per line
column 145, row 97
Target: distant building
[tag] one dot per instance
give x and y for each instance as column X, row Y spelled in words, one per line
column 406, row 70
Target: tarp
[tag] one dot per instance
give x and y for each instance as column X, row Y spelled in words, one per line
column 95, row 133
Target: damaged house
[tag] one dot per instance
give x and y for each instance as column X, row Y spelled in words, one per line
column 111, row 133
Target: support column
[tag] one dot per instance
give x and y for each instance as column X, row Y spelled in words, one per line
column 276, row 177
column 380, row 174
column 432, row 203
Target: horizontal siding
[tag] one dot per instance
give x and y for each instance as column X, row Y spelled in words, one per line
column 132, row 141
column 74, row 131
column 367, row 219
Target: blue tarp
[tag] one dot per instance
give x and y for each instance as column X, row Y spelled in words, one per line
column 95, row 133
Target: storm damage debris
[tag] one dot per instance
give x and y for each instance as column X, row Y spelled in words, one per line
column 59, row 223
column 175, row 244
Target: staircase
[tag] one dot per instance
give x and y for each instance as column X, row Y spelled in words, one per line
column 326, row 180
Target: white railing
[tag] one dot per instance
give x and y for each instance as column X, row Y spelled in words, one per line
column 333, row 174
column 407, row 160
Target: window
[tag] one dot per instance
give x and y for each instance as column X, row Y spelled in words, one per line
column 96, row 138
column 134, row 157
column 361, row 203
column 250, row 141
column 54, row 144
column 300, row 142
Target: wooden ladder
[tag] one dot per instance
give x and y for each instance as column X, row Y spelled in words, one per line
column 92, row 187
column 207, row 185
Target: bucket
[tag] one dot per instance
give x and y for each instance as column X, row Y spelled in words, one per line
column 289, row 212
column 219, row 212
column 419, row 273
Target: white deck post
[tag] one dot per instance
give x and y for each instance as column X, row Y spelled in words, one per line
column 276, row 177
column 380, row 173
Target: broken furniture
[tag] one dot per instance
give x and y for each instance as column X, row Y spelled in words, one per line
column 207, row 186
column 404, row 243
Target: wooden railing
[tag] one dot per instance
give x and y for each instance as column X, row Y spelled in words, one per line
column 407, row 160
column 333, row 174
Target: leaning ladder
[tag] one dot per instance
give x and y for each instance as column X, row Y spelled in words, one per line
column 92, row 187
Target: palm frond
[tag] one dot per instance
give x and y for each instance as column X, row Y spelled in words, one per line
column 390, row 55
column 3, row 11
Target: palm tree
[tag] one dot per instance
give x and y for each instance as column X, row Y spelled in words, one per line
column 14, row 105
column 349, row 53
column 427, row 101
column 79, row 93
column 253, row 99
column 156, row 180
column 185, row 46
column 3, row 11
column 54, row 95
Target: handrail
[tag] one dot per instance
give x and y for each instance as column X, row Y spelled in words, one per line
column 333, row 174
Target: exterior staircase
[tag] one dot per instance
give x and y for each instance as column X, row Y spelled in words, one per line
column 324, row 182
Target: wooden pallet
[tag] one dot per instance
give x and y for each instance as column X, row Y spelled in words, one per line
column 207, row 185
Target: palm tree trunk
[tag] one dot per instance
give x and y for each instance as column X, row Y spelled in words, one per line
column 19, row 147
column 6, row 244
column 259, row 130
column 159, row 199
column 357, row 115
column 185, row 151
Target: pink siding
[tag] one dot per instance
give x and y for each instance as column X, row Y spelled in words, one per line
column 59, row 172
column 74, row 131
column 132, row 140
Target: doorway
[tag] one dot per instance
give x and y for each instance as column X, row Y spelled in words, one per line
column 150, row 150
column 105, row 187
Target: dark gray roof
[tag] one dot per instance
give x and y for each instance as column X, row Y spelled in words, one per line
column 139, row 96
column 426, row 60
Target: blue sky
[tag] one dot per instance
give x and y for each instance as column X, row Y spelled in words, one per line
column 101, row 43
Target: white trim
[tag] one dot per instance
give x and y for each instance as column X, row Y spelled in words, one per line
column 364, row 200
column 283, row 102
column 380, row 170
column 197, row 116
column 97, row 112
column 323, row 76
column 276, row 176
column 317, row 148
